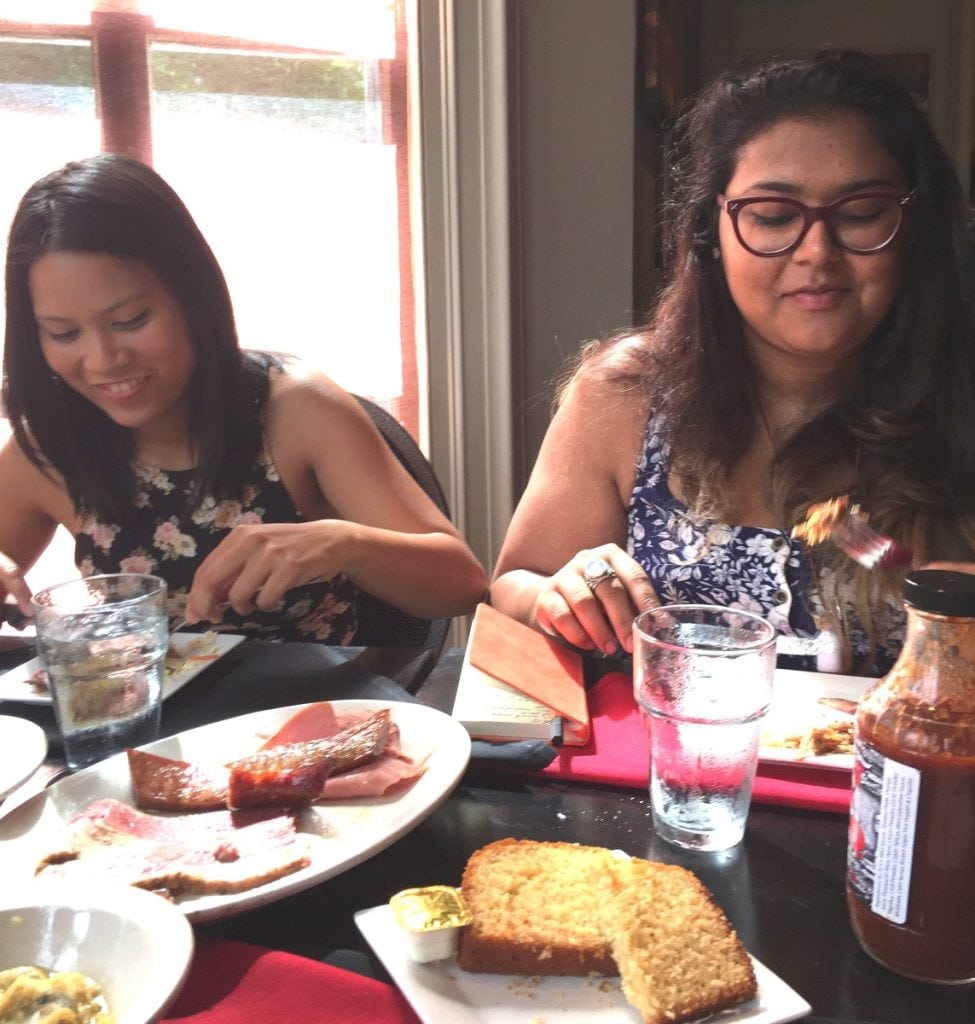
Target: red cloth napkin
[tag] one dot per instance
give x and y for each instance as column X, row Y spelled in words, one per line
column 618, row 754
column 237, row 983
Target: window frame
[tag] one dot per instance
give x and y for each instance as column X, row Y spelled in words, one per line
column 120, row 46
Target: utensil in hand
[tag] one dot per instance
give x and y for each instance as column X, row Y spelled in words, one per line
column 855, row 537
column 182, row 623
column 846, row 526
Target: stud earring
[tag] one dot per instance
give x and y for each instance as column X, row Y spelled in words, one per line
column 716, row 253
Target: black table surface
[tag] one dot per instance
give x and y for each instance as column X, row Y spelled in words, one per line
column 782, row 888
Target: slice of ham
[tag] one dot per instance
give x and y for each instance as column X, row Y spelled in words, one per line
column 384, row 777
column 383, row 773
column 322, row 721
column 214, row 852
column 312, row 722
column 362, row 742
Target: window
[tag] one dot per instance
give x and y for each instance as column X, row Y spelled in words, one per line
column 284, row 127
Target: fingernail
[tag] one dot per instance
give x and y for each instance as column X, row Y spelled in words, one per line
column 609, row 648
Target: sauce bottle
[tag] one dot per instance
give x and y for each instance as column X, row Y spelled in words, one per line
column 911, row 855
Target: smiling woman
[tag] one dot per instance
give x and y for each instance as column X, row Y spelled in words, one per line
column 87, row 305
column 141, row 427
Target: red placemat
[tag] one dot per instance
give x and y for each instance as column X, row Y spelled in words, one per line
column 237, row 983
column 617, row 754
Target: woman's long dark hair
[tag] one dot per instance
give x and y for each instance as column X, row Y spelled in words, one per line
column 114, row 204
column 899, row 434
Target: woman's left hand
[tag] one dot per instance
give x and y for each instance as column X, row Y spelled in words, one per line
column 591, row 601
column 255, row 565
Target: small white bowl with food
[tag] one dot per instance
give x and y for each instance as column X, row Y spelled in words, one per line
column 114, row 955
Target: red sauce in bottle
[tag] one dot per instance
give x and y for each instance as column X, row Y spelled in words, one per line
column 911, row 861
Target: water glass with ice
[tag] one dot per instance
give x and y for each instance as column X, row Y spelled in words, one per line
column 702, row 676
column 102, row 641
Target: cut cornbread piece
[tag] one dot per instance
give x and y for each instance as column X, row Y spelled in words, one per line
column 678, row 957
column 562, row 908
column 538, row 908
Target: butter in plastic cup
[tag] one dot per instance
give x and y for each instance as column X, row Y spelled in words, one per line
column 431, row 917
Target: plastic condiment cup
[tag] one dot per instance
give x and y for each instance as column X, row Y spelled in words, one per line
column 431, row 918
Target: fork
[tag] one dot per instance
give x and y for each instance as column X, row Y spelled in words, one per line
column 854, row 536
column 182, row 623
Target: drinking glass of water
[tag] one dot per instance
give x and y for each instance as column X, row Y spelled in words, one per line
column 702, row 676
column 102, row 641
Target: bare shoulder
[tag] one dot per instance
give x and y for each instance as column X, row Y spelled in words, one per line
column 302, row 392
column 609, row 386
column 311, row 421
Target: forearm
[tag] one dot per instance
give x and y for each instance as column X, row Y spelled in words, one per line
column 430, row 575
column 516, row 592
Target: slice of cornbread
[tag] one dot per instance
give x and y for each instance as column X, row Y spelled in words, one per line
column 678, row 957
column 538, row 908
column 562, row 908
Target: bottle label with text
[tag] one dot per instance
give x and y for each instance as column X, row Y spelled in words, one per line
column 883, row 815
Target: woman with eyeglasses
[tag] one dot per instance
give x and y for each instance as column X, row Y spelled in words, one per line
column 815, row 340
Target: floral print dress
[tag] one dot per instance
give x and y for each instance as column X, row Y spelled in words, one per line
column 163, row 539
column 755, row 569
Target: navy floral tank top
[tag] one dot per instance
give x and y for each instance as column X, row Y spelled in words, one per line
column 755, row 569
column 163, row 539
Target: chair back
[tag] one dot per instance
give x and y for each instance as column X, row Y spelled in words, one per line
column 382, row 624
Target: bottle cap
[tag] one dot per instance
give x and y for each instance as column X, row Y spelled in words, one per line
column 941, row 591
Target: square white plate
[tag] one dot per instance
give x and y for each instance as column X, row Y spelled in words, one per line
column 440, row 991
column 15, row 685
column 795, row 709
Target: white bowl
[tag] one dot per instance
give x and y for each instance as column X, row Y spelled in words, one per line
column 24, row 747
column 135, row 944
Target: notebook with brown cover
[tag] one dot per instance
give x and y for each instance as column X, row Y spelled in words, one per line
column 516, row 683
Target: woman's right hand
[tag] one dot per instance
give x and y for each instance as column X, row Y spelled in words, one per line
column 591, row 609
column 14, row 590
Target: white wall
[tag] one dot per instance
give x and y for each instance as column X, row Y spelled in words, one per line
column 572, row 82
column 944, row 29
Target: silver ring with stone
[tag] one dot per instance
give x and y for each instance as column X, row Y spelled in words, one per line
column 596, row 571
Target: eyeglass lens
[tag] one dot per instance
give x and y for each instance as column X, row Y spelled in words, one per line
column 860, row 223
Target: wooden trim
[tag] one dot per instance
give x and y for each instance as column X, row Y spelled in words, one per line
column 32, row 30
column 26, row 30
column 394, row 84
column 120, row 55
column 121, row 66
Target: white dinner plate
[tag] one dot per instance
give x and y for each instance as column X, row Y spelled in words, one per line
column 23, row 747
column 337, row 834
column 795, row 709
column 15, row 685
column 440, row 991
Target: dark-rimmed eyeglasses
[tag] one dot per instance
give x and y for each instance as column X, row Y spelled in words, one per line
column 775, row 225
